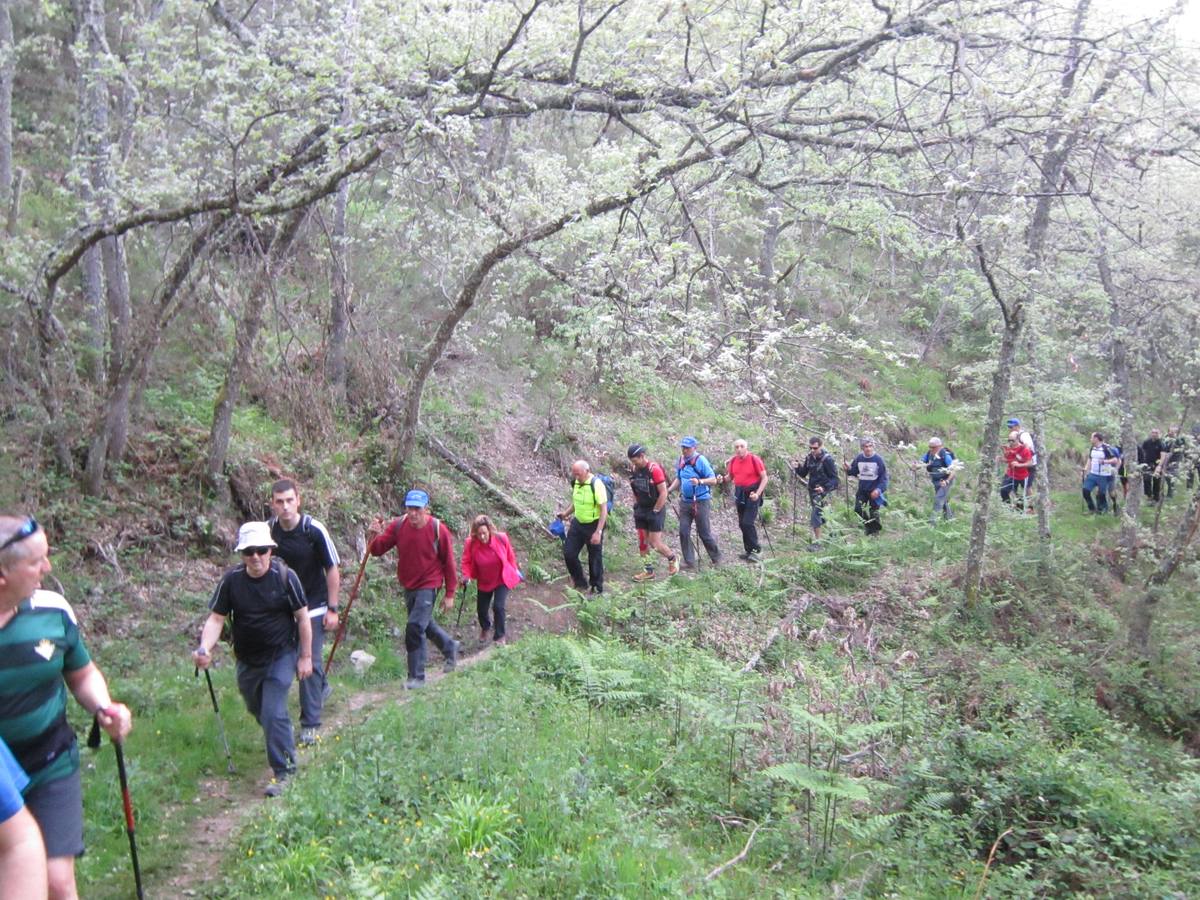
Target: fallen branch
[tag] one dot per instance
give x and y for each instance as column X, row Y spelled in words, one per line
column 719, row 870
column 798, row 609
column 476, row 476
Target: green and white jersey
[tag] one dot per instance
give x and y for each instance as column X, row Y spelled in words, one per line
column 37, row 647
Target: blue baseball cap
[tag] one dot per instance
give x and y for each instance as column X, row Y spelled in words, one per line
column 1014, row 421
column 688, row 442
column 416, row 499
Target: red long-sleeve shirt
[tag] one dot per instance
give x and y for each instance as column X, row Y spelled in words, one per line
column 418, row 564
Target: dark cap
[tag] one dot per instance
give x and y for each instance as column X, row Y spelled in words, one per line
column 635, row 450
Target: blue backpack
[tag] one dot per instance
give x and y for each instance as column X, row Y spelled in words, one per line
column 609, row 485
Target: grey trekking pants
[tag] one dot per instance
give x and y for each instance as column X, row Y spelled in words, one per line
column 312, row 689
column 265, row 689
column 697, row 511
column 941, row 501
column 420, row 625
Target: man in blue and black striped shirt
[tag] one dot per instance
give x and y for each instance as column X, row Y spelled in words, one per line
column 42, row 655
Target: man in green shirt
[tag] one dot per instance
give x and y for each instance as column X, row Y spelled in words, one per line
column 42, row 656
column 589, row 513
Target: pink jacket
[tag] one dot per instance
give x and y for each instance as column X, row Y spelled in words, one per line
column 503, row 547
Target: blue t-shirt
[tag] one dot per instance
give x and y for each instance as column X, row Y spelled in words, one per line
column 13, row 780
column 871, row 472
column 694, row 467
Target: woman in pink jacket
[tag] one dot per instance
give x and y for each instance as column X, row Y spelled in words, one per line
column 488, row 558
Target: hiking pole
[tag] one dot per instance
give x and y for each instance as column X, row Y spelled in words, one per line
column 220, row 723
column 458, row 624
column 345, row 617
column 93, row 742
column 795, row 494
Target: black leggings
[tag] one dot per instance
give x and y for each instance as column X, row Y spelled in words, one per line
column 495, row 599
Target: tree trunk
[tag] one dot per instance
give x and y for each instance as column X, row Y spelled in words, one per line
column 339, row 257
column 484, row 482
column 1042, row 475
column 8, row 69
column 1142, row 618
column 249, row 323
column 988, row 451
column 1124, row 395
column 469, row 291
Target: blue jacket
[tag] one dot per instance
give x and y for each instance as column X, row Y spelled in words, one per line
column 938, row 466
column 694, row 467
column 871, row 473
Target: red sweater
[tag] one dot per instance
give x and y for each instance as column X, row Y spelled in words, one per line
column 418, row 565
column 501, row 546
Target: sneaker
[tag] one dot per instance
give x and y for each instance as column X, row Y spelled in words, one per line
column 452, row 657
column 644, row 575
column 275, row 788
column 743, row 556
column 308, row 737
column 673, row 565
column 753, row 557
column 413, row 684
column 595, row 590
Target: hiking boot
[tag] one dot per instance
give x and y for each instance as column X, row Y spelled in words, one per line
column 753, row 557
column 644, row 575
column 308, row 737
column 275, row 788
column 452, row 656
column 413, row 684
column 673, row 565
column 500, row 641
column 483, row 635
column 744, row 556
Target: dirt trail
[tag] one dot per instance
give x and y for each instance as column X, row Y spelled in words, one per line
column 231, row 802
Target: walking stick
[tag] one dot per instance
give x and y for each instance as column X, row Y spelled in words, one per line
column 795, row 494
column 93, row 742
column 345, row 617
column 220, row 723
column 458, row 624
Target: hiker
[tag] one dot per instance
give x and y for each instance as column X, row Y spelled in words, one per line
column 305, row 545
column 1017, row 460
column 489, row 559
column 749, row 476
column 22, row 850
column 1149, row 456
column 1175, row 450
column 871, row 471
column 272, row 640
column 588, row 513
column 424, row 563
column 693, row 475
column 649, row 484
column 42, row 656
column 1098, row 473
column 819, row 472
column 938, row 462
column 1026, row 439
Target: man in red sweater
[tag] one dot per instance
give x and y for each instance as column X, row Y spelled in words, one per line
column 424, row 563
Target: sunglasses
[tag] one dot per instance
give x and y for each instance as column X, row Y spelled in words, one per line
column 28, row 529
column 256, row 551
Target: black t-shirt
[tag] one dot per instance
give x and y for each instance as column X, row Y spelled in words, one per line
column 308, row 550
column 1151, row 450
column 261, row 610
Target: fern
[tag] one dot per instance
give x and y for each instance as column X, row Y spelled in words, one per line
column 819, row 782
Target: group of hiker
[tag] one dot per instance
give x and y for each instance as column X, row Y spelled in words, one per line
column 284, row 595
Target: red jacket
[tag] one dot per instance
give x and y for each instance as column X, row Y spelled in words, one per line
column 418, row 564
column 508, row 561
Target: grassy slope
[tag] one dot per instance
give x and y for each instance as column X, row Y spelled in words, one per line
column 615, row 757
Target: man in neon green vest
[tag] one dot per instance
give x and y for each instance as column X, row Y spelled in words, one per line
column 589, row 513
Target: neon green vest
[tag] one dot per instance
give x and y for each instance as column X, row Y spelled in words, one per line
column 584, row 499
